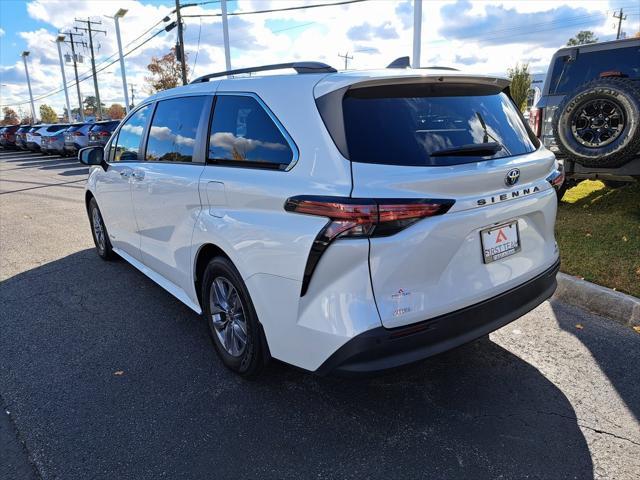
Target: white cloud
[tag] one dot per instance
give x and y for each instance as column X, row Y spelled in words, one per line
column 2, row 32
column 374, row 33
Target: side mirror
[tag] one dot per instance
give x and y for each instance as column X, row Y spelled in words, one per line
column 92, row 156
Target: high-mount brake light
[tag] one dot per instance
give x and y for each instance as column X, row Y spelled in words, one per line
column 359, row 218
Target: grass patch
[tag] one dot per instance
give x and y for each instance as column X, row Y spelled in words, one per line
column 598, row 231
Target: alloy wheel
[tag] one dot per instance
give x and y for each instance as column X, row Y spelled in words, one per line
column 228, row 316
column 597, row 123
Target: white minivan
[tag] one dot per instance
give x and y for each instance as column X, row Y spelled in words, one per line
column 349, row 222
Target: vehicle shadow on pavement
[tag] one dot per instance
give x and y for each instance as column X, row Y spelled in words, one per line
column 616, row 356
column 108, row 376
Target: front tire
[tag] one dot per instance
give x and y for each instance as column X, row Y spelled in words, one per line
column 233, row 323
column 99, row 232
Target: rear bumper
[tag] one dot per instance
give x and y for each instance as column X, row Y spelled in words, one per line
column 381, row 348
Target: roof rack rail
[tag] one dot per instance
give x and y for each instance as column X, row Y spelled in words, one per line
column 300, row 67
column 442, row 68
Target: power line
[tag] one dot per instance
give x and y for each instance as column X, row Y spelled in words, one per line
column 42, row 97
column 286, row 9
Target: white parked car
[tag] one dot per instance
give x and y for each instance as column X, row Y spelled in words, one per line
column 346, row 222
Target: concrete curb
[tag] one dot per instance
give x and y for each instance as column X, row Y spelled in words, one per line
column 603, row 301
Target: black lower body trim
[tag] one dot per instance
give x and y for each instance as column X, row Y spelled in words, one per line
column 382, row 348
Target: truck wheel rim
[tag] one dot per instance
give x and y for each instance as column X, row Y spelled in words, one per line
column 597, row 123
column 228, row 317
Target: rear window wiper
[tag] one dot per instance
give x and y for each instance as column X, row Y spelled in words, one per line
column 473, row 149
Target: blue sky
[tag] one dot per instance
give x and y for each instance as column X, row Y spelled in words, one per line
column 485, row 36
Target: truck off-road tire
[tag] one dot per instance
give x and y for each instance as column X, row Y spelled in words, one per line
column 598, row 124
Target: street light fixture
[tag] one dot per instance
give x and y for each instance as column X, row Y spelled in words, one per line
column 119, row 14
column 59, row 40
column 25, row 54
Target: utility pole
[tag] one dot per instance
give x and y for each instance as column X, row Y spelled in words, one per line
column 180, row 45
column 59, row 40
column 346, row 59
column 417, row 32
column 91, row 31
column 119, row 14
column 620, row 18
column 73, row 43
column 25, row 54
column 133, row 96
column 225, row 35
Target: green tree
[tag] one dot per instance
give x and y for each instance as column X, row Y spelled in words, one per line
column 48, row 114
column 582, row 37
column 520, row 84
column 165, row 72
column 91, row 105
column 9, row 117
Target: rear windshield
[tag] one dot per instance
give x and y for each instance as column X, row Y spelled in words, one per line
column 404, row 124
column 104, row 127
column 24, row 129
column 56, row 128
column 75, row 128
column 570, row 72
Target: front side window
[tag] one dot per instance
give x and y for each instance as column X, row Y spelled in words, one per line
column 127, row 146
column 172, row 136
column 243, row 134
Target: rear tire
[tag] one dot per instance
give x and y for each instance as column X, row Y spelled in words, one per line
column 598, row 124
column 233, row 323
column 99, row 232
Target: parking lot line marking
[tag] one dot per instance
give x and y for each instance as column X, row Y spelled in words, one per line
column 61, row 184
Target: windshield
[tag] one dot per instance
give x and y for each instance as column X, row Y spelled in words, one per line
column 405, row 124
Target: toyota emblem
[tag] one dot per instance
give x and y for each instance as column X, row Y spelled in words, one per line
column 512, row 177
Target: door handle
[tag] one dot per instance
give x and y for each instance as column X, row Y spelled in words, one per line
column 138, row 174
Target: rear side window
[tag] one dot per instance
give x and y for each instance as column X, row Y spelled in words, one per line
column 243, row 134
column 172, row 136
column 405, row 124
column 569, row 73
column 127, row 145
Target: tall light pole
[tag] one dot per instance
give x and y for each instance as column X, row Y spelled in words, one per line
column 119, row 14
column 25, row 54
column 225, row 34
column 60, row 39
column 417, row 32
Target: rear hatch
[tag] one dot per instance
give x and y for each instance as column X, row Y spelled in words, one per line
column 447, row 140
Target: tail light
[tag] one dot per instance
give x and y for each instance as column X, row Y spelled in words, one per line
column 556, row 179
column 359, row 218
column 104, row 133
column 535, row 121
column 77, row 134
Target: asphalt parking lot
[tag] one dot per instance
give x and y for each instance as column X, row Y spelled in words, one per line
column 104, row 375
